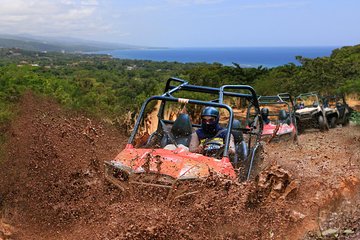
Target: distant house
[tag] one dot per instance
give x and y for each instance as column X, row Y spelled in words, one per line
column 131, row 67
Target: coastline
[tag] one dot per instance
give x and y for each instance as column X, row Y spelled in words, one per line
column 244, row 56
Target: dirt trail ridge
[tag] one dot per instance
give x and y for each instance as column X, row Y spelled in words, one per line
column 52, row 187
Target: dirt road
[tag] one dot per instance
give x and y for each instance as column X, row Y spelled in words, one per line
column 51, row 187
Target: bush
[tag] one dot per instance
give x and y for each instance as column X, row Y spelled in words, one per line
column 5, row 113
column 355, row 117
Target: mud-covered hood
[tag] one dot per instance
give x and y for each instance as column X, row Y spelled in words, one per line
column 178, row 163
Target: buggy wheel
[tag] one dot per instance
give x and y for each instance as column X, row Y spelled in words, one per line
column 333, row 122
column 300, row 128
column 322, row 123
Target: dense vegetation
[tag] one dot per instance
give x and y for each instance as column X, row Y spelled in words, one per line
column 110, row 87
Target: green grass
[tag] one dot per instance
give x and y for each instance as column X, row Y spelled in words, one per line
column 355, row 117
column 6, row 115
column 6, row 112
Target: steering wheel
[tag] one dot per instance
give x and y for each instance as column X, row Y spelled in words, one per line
column 213, row 149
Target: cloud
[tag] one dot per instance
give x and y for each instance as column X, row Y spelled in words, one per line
column 90, row 2
column 125, row 20
column 75, row 14
column 57, row 17
column 193, row 2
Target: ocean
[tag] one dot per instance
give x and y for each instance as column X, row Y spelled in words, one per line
column 245, row 56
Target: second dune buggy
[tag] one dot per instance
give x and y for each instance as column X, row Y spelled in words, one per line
column 278, row 114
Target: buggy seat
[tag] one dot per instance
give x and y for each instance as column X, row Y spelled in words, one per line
column 265, row 115
column 284, row 117
column 240, row 144
column 236, row 131
column 180, row 132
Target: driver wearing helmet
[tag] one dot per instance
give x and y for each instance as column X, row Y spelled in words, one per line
column 210, row 131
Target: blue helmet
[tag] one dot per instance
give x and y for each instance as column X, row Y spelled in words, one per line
column 210, row 127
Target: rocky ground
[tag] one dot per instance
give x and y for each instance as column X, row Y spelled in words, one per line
column 52, row 187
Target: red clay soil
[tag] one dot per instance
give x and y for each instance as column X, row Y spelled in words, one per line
column 52, row 187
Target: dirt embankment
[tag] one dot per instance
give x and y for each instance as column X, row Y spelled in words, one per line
column 51, row 187
column 51, row 174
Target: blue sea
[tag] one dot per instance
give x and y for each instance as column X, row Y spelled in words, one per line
column 245, row 56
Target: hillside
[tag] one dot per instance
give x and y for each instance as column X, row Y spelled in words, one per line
column 48, row 44
column 52, row 187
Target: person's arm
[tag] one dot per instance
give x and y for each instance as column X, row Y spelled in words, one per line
column 194, row 145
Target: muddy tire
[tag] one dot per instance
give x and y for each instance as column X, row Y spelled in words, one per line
column 300, row 127
column 333, row 122
column 322, row 123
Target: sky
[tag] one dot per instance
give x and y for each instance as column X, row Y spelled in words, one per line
column 188, row 23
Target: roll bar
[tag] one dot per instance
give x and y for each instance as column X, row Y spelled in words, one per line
column 188, row 101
